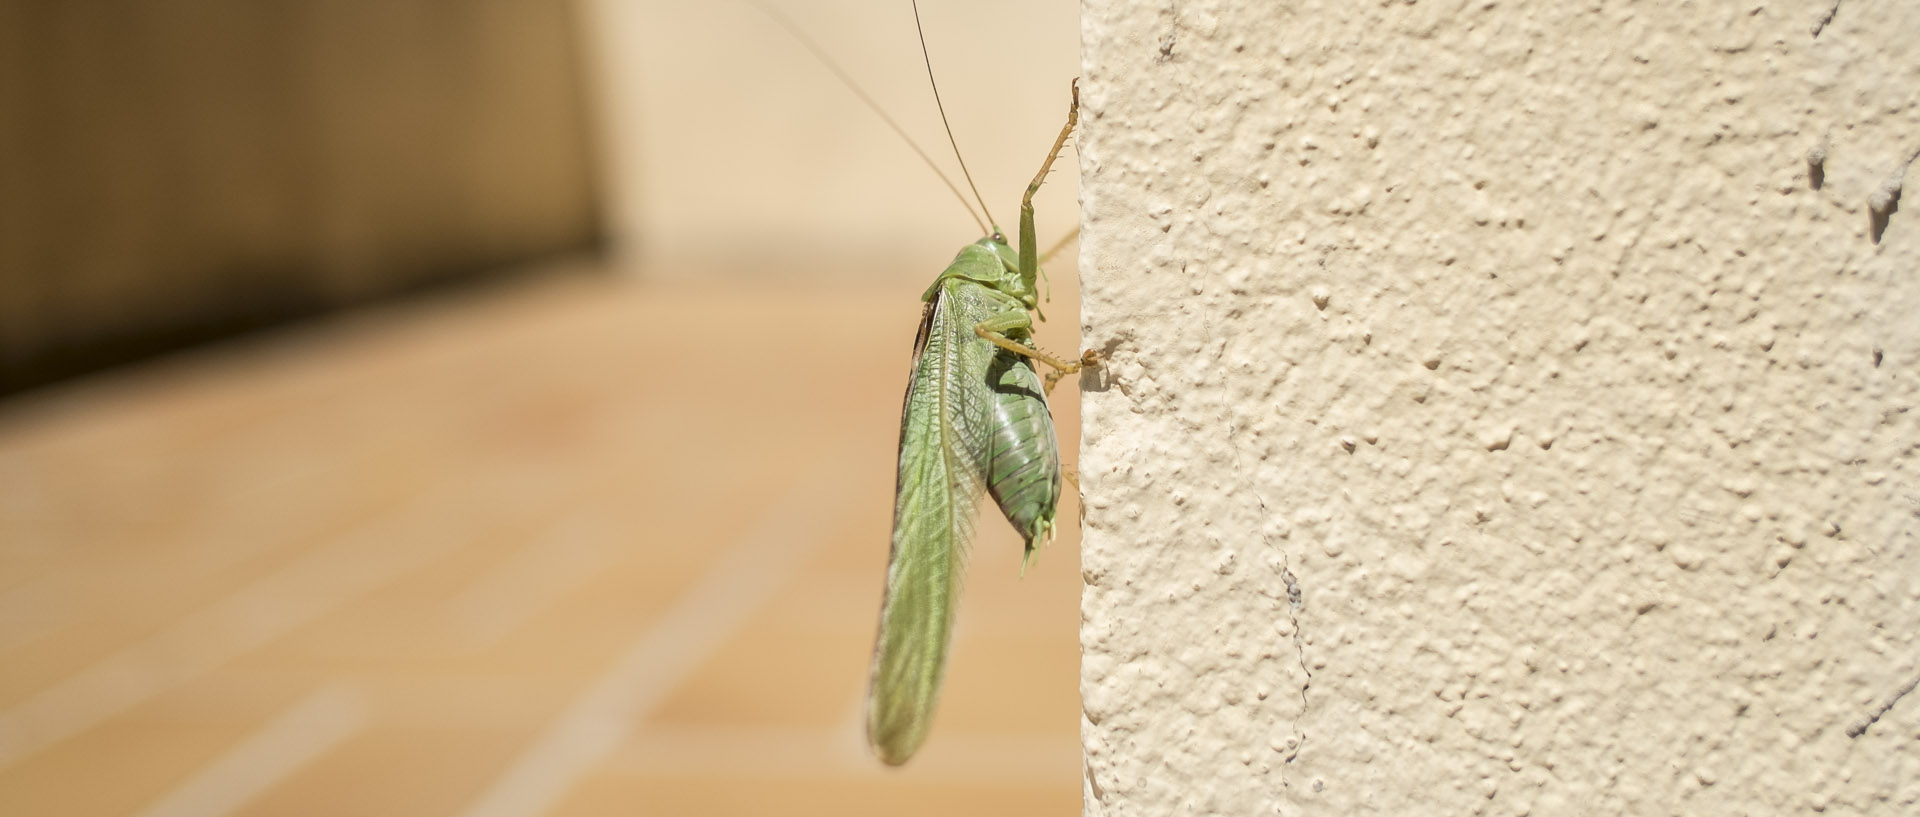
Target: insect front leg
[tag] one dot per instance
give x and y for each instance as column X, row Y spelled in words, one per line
column 994, row 330
column 1029, row 249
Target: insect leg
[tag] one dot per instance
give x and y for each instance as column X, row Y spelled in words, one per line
column 1029, row 245
column 994, row 330
column 1088, row 359
column 1030, row 264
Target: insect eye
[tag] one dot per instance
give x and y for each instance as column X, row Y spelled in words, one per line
column 999, row 238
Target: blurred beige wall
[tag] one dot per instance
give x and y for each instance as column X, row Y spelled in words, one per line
column 176, row 171
column 737, row 153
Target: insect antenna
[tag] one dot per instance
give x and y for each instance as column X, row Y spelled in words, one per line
column 1060, row 245
column 847, row 80
column 928, row 57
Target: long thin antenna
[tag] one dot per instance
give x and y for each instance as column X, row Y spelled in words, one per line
column 847, row 79
column 918, row 29
column 1060, row 245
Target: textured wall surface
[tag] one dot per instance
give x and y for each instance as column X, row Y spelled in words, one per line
column 1509, row 410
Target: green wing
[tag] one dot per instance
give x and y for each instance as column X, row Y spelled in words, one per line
column 939, row 484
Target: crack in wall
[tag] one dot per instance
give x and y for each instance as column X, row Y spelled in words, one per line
column 1109, row 377
column 1826, row 17
column 1295, row 603
column 1172, row 37
column 1861, row 726
column 1296, row 598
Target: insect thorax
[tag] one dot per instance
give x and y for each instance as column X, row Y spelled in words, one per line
column 991, row 264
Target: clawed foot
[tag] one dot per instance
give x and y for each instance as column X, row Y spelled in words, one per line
column 1088, row 360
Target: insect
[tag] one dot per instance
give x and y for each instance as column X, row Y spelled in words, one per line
column 975, row 421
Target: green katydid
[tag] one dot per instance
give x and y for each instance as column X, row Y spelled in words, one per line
column 975, row 419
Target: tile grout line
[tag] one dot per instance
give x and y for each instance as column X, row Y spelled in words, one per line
column 304, row 590
column 300, row 735
column 561, row 556
column 665, row 654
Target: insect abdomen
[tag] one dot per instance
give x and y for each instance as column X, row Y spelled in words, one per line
column 1023, row 456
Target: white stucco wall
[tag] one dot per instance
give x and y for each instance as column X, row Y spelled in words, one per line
column 1499, row 417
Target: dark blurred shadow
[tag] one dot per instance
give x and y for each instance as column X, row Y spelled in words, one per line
column 176, row 173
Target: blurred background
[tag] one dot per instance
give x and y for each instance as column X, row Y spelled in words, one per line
column 489, row 408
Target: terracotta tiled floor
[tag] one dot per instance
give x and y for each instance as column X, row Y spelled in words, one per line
column 565, row 546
